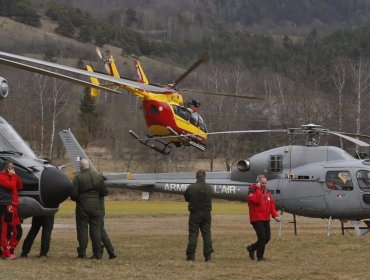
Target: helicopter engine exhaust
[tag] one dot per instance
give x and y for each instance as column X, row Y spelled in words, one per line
column 4, row 88
column 243, row 165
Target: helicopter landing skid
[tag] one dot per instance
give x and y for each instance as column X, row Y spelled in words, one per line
column 163, row 148
column 186, row 140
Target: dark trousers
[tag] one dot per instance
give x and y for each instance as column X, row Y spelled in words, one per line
column 47, row 224
column 107, row 243
column 199, row 221
column 263, row 232
column 88, row 222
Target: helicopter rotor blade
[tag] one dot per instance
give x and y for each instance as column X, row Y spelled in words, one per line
column 200, row 60
column 224, row 94
column 10, row 59
column 216, row 133
column 98, row 52
column 55, row 75
column 105, row 61
column 289, row 131
column 353, row 134
column 351, row 139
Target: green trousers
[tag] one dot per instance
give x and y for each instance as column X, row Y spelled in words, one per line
column 199, row 221
column 88, row 222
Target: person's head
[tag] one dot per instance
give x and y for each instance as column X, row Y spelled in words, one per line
column 84, row 164
column 8, row 166
column 201, row 175
column 262, row 181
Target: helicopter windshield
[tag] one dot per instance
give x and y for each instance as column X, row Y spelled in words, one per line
column 197, row 120
column 191, row 116
column 10, row 141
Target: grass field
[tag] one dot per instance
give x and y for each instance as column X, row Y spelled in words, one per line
column 151, row 236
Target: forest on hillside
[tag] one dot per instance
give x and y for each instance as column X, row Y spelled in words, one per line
column 318, row 71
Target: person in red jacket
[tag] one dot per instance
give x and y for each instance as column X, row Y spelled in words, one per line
column 11, row 230
column 261, row 206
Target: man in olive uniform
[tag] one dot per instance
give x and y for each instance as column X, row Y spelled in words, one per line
column 88, row 188
column 199, row 196
column 47, row 224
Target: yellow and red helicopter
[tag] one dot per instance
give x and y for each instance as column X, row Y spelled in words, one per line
column 170, row 121
column 165, row 113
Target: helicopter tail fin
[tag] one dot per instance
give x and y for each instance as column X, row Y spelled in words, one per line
column 74, row 150
column 140, row 73
column 113, row 68
column 93, row 91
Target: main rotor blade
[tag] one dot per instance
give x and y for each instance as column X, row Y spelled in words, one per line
column 351, row 139
column 225, row 94
column 200, row 60
column 55, row 75
column 217, row 133
column 118, row 81
column 354, row 134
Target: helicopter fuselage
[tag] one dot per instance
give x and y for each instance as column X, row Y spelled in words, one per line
column 160, row 114
column 313, row 181
column 298, row 177
column 44, row 185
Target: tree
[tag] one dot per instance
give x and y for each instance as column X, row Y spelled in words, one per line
column 26, row 14
column 361, row 83
column 85, row 34
column 65, row 27
column 339, row 80
column 88, row 115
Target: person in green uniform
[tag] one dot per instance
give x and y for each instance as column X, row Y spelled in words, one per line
column 199, row 198
column 88, row 188
column 47, row 224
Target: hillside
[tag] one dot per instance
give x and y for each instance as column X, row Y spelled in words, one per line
column 270, row 16
column 295, row 76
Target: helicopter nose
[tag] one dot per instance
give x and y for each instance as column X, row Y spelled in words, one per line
column 55, row 187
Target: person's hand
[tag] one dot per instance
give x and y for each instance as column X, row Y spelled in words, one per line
column 11, row 171
column 277, row 219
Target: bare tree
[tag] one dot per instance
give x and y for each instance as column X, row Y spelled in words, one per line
column 339, row 79
column 59, row 101
column 361, row 79
column 40, row 87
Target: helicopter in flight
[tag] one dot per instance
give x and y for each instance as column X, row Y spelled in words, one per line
column 165, row 111
column 44, row 185
column 306, row 180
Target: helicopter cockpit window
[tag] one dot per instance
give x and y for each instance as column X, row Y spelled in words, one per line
column 201, row 123
column 339, row 180
column 181, row 112
column 276, row 164
column 363, row 180
column 194, row 118
column 10, row 141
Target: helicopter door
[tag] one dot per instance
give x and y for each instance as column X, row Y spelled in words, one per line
column 363, row 181
column 340, row 195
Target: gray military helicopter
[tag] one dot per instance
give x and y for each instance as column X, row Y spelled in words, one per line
column 311, row 180
column 44, row 185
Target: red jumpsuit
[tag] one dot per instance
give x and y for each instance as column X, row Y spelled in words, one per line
column 11, row 230
column 261, row 206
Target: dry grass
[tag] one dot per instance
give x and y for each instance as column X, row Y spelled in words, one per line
column 150, row 238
